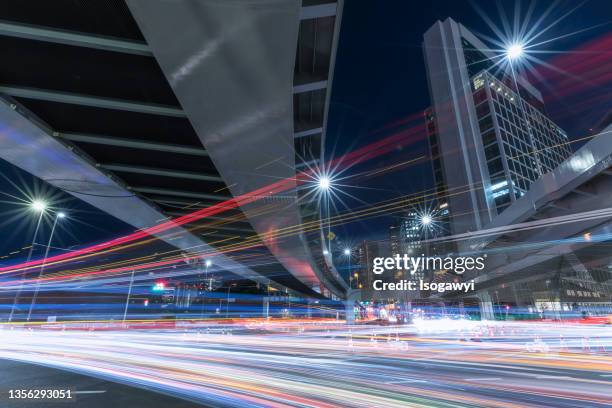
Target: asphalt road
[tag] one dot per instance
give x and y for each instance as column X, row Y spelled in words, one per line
column 91, row 392
column 446, row 364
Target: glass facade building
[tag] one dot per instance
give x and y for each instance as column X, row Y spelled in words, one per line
column 488, row 132
column 520, row 142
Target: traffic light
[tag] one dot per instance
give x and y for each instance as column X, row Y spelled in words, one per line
column 159, row 287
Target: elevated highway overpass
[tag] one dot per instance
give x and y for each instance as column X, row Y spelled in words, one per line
column 149, row 111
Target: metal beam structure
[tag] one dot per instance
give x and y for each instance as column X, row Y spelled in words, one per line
column 220, row 236
column 308, row 132
column 309, row 86
column 318, row 11
column 22, row 139
column 248, row 129
column 561, row 194
column 122, row 160
column 31, row 32
column 311, row 163
column 118, row 104
column 208, row 217
column 548, row 191
column 179, row 193
column 224, row 228
column 108, row 103
column 131, row 143
column 93, row 101
column 79, row 39
column 188, row 205
column 125, row 168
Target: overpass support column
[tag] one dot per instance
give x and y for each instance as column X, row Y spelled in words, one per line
column 349, row 309
column 352, row 296
column 266, row 307
column 486, row 306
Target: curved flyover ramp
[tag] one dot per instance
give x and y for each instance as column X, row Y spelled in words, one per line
column 231, row 66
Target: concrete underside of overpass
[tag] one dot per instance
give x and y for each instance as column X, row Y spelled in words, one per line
column 108, row 125
column 234, row 82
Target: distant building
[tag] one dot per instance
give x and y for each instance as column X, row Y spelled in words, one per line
column 404, row 238
column 489, row 135
column 395, row 236
column 405, row 234
column 408, row 235
column 366, row 252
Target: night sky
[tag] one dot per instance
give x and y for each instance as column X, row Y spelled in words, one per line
column 379, row 80
column 84, row 224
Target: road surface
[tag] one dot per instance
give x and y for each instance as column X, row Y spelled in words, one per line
column 300, row 364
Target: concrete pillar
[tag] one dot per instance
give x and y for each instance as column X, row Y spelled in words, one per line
column 349, row 310
column 517, row 301
column 266, row 307
column 486, row 306
column 352, row 296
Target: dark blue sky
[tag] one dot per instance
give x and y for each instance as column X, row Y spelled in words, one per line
column 84, row 224
column 379, row 79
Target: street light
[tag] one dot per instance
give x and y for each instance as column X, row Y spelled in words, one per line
column 515, row 51
column 323, row 193
column 426, row 220
column 347, row 252
column 207, row 264
column 38, row 206
column 324, row 183
column 229, row 287
column 127, row 299
column 60, row 215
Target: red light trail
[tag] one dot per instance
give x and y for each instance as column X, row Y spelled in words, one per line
column 355, row 157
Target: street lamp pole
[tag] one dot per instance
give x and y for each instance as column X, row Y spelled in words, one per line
column 42, row 266
column 426, row 222
column 38, row 206
column 350, row 272
column 127, row 301
column 207, row 263
column 324, row 185
column 347, row 252
column 229, row 287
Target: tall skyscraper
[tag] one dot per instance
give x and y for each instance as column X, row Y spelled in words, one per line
column 406, row 233
column 488, row 131
column 366, row 252
column 395, row 237
column 409, row 234
column 405, row 238
column 412, row 233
